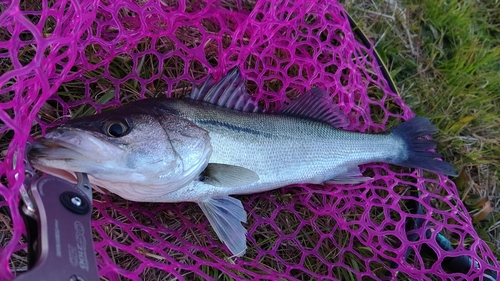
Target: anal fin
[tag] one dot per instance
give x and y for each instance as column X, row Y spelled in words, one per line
column 351, row 176
column 225, row 215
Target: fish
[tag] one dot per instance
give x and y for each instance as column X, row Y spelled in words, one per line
column 217, row 142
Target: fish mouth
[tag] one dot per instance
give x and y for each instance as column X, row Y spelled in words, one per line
column 73, row 144
column 40, row 155
column 50, row 149
column 66, row 150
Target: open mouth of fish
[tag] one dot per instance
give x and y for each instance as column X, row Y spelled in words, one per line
column 53, row 150
column 72, row 144
column 49, row 156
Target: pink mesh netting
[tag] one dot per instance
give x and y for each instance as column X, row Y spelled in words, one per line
column 96, row 54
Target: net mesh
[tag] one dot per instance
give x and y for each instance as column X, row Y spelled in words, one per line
column 63, row 58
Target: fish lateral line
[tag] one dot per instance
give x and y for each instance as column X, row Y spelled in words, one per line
column 234, row 128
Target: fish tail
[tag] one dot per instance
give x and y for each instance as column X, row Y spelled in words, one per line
column 417, row 149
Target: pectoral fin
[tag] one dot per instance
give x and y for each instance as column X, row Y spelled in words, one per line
column 227, row 175
column 351, row 176
column 225, row 215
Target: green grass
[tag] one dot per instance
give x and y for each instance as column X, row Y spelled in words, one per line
column 444, row 59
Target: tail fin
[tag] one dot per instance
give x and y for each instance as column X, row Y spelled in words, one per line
column 419, row 155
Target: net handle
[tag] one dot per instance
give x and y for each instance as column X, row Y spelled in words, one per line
column 364, row 39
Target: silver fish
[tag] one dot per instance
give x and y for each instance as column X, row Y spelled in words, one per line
column 216, row 142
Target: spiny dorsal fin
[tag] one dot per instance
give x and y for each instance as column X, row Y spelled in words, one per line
column 229, row 92
column 318, row 105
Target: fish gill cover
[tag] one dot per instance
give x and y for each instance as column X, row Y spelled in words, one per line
column 64, row 58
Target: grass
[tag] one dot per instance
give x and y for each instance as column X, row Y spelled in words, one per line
column 443, row 57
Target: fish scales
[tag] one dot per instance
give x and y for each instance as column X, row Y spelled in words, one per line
column 281, row 149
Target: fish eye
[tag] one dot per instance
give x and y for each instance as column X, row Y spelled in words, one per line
column 115, row 128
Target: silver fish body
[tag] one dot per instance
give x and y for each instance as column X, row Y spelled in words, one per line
column 217, row 142
column 280, row 149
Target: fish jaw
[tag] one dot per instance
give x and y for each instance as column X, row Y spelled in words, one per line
column 71, row 140
column 67, row 150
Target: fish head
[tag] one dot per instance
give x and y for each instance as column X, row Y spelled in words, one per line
column 129, row 153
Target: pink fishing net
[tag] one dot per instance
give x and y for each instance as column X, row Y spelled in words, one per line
column 63, row 58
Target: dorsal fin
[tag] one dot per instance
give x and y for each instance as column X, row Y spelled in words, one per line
column 317, row 104
column 229, row 92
